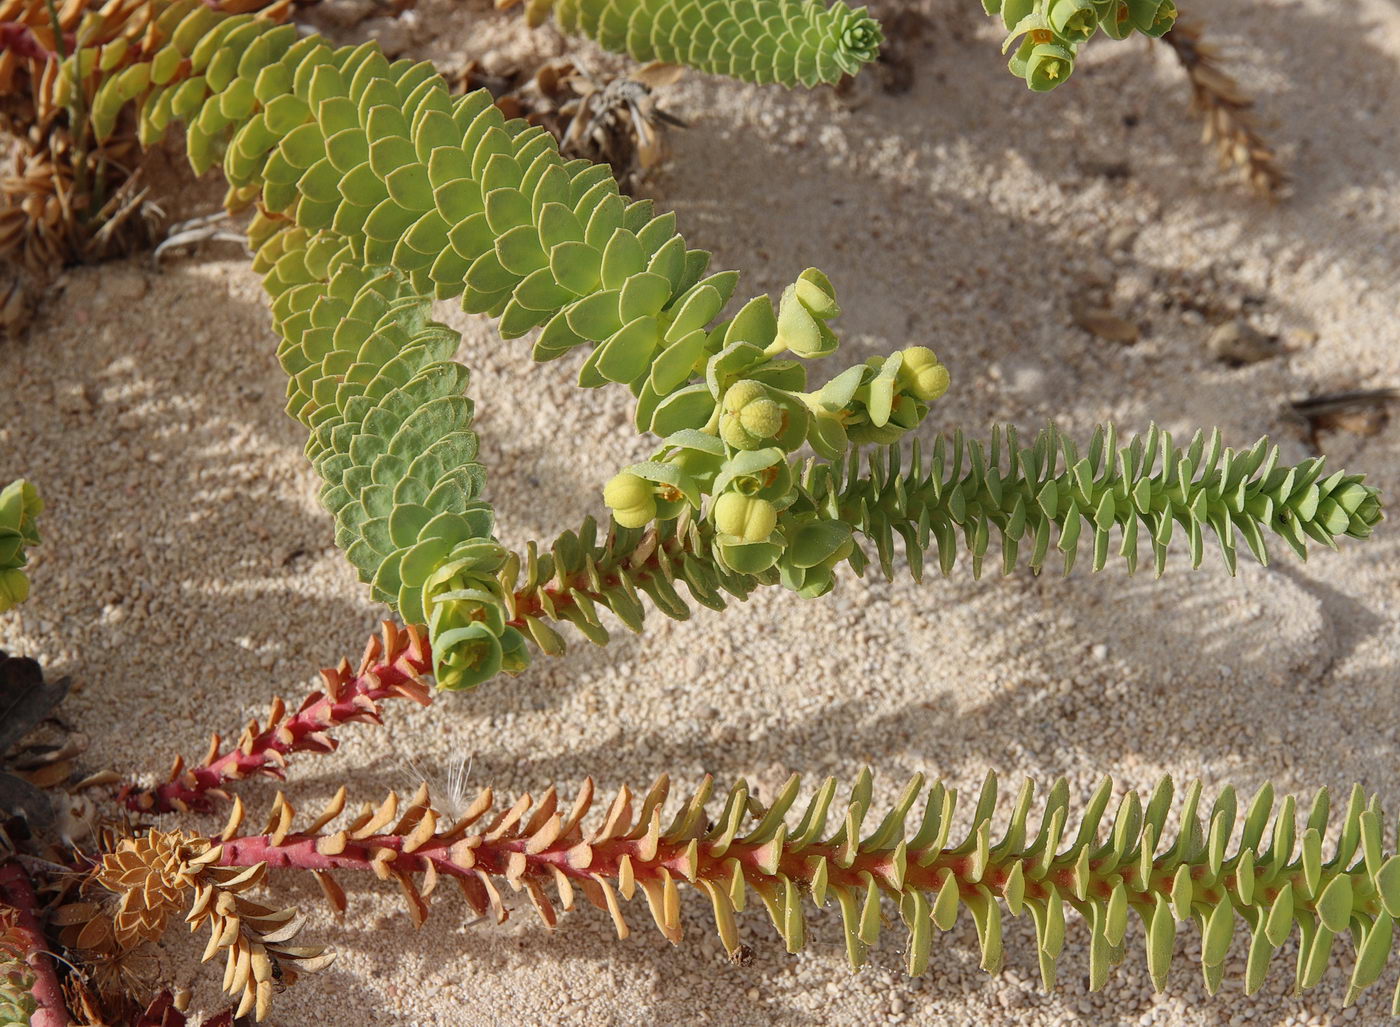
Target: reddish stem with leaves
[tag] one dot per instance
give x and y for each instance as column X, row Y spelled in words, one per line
column 393, row 666
column 18, row 894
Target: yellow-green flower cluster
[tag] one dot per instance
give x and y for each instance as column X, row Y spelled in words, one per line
column 730, row 439
column 1047, row 34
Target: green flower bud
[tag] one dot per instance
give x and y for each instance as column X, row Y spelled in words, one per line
column 1048, row 65
column 465, row 605
column 631, row 499
column 750, row 416
column 745, row 517
column 921, row 375
column 1073, row 20
column 803, row 311
column 14, row 588
column 815, row 291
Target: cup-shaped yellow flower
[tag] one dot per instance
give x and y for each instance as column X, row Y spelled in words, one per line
column 1152, row 17
column 1117, row 21
column 1073, row 20
column 1048, row 65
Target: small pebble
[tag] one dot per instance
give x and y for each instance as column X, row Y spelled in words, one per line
column 1237, row 343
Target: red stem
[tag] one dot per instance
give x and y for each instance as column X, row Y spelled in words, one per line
column 392, row 667
column 16, row 38
column 492, row 857
column 16, row 892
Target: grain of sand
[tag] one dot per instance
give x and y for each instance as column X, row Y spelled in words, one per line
column 188, row 575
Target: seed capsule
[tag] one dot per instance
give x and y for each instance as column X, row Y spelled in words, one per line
column 745, row 517
column 631, row 500
column 750, row 416
column 921, row 375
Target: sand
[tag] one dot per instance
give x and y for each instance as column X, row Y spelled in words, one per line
column 187, row 574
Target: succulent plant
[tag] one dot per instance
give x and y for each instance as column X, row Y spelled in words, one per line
column 376, row 192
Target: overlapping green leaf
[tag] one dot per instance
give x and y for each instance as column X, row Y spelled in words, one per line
column 372, row 377
column 790, row 42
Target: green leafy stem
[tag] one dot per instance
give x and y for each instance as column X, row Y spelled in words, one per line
column 1233, row 864
column 953, row 500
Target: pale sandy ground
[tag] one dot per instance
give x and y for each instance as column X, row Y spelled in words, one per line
column 188, row 575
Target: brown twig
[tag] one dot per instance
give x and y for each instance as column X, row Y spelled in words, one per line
column 1335, row 401
column 17, row 894
column 393, row 666
column 1226, row 111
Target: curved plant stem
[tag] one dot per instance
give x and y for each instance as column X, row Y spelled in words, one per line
column 18, row 894
column 393, row 666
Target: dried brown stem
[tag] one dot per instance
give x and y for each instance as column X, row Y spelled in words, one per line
column 1226, row 112
column 393, row 666
column 17, row 894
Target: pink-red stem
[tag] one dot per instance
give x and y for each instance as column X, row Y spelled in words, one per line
column 17, row 893
column 392, row 667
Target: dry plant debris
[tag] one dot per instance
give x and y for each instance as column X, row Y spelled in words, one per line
column 1226, row 112
column 66, row 197
column 144, row 881
column 611, row 119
